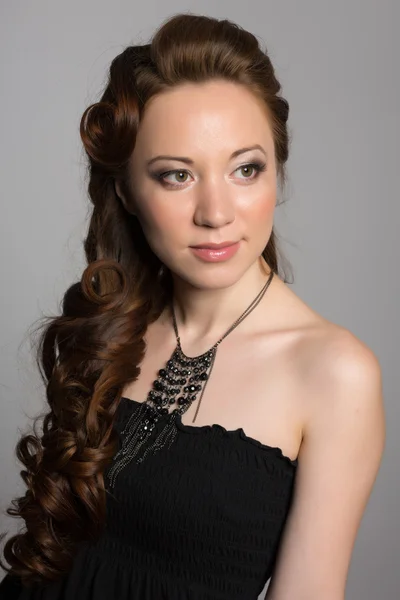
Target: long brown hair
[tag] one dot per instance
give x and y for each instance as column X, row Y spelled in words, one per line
column 94, row 348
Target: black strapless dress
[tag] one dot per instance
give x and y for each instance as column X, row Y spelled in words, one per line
column 201, row 520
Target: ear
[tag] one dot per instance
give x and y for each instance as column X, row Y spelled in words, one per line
column 121, row 195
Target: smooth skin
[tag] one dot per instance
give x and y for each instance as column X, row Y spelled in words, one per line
column 286, row 375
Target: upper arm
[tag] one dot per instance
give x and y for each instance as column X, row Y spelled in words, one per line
column 339, row 459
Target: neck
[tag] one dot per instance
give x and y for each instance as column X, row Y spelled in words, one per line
column 204, row 315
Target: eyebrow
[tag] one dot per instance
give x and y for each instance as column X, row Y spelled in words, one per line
column 189, row 161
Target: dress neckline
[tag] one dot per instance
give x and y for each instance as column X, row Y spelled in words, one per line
column 234, row 433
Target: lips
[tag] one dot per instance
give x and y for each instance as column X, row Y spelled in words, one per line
column 212, row 246
column 217, row 253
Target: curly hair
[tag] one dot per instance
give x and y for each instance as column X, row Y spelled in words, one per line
column 94, row 348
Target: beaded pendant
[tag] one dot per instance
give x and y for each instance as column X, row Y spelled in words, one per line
column 179, row 382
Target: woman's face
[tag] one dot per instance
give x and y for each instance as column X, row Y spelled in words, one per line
column 209, row 195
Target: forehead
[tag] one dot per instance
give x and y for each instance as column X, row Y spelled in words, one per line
column 202, row 117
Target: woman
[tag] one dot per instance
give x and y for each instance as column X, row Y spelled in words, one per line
column 207, row 430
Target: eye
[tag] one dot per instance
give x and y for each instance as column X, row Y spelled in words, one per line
column 257, row 167
column 179, row 173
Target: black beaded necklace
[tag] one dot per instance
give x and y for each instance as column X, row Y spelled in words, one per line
column 180, row 381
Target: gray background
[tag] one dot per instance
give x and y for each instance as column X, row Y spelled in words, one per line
column 338, row 64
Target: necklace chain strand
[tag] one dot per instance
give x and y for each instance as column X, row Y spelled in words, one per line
column 180, row 381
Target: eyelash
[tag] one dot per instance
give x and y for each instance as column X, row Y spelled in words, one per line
column 259, row 167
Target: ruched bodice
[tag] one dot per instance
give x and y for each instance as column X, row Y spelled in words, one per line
column 200, row 520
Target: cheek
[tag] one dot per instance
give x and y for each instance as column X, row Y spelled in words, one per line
column 260, row 211
column 265, row 209
column 165, row 216
column 161, row 226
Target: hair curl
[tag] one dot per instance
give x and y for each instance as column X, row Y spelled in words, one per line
column 94, row 348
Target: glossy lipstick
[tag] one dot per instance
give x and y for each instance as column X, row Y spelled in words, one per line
column 216, row 252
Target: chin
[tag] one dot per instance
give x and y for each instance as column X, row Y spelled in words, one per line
column 211, row 276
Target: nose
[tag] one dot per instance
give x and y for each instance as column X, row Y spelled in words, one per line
column 215, row 206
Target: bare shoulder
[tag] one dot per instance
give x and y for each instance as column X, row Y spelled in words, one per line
column 327, row 353
column 339, row 458
column 336, row 371
column 341, row 377
column 339, row 354
column 339, row 363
